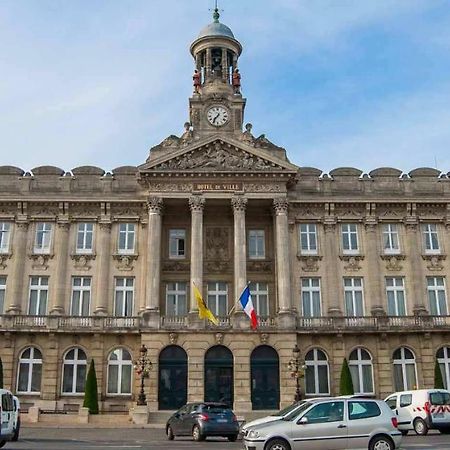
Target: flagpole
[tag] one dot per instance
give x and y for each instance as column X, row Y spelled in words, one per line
column 238, row 300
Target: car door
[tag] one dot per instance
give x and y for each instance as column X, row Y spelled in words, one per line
column 177, row 421
column 323, row 427
column 404, row 416
column 363, row 416
column 7, row 412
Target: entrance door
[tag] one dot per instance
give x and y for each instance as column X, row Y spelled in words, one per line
column 265, row 378
column 219, row 375
column 172, row 390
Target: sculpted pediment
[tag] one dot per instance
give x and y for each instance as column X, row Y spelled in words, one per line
column 219, row 154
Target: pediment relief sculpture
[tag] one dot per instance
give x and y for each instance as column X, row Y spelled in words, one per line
column 219, row 157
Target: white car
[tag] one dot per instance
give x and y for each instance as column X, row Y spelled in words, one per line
column 421, row 410
column 6, row 417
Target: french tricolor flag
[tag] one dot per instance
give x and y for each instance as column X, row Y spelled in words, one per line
column 246, row 301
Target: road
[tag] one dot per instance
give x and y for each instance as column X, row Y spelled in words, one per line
column 154, row 439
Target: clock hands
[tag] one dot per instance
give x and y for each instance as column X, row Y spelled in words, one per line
column 215, row 118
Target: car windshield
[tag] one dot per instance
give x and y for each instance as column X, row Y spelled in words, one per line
column 216, row 409
column 440, row 398
column 288, row 409
column 294, row 413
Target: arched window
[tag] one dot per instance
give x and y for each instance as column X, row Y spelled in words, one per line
column 316, row 373
column 265, row 378
column 172, row 387
column 74, row 372
column 443, row 357
column 219, row 375
column 30, row 371
column 120, row 369
column 361, row 368
column 405, row 376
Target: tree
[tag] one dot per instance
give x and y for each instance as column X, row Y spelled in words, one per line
column 346, row 384
column 1, row 374
column 438, row 380
column 90, row 390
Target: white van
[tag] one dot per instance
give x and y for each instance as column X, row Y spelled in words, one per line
column 16, row 419
column 6, row 416
column 421, row 410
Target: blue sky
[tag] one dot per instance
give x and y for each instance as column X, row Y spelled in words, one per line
column 361, row 83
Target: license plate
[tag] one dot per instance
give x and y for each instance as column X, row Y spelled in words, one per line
column 222, row 420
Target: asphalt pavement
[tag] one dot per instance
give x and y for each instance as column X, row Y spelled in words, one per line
column 155, row 439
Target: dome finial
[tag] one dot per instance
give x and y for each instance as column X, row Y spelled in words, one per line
column 216, row 13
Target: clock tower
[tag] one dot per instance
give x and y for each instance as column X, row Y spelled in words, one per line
column 216, row 104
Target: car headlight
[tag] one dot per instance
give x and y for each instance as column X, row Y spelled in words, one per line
column 252, row 434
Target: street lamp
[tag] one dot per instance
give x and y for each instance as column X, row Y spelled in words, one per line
column 142, row 367
column 297, row 371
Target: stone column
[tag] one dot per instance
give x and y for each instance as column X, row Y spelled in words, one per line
column 155, row 205
column 374, row 299
column 240, row 254
column 333, row 285
column 416, row 270
column 19, row 250
column 283, row 266
column 59, row 291
column 103, row 267
column 208, row 64
column 196, row 203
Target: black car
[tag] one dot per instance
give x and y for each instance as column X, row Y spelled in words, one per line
column 200, row 420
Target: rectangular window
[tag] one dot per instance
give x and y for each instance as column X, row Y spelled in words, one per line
column 43, row 237
column 5, row 235
column 437, row 296
column 256, row 244
column 395, row 292
column 126, row 238
column 308, row 239
column 349, row 238
column 218, row 298
column 81, row 296
column 176, row 299
column 391, row 242
column 124, row 297
column 430, row 238
column 260, row 298
column 85, row 233
column 354, row 299
column 38, row 296
column 177, row 244
column 2, row 294
column 311, row 297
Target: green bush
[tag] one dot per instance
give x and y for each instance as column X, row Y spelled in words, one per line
column 1, row 374
column 438, row 380
column 90, row 391
column 346, row 384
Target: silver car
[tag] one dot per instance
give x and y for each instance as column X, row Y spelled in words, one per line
column 329, row 424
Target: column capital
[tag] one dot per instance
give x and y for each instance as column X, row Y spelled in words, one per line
column 280, row 205
column 239, row 203
column 63, row 225
column 22, row 225
column 105, row 226
column 155, row 205
column 196, row 203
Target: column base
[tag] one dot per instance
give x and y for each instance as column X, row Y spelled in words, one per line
column 151, row 318
column 14, row 310
column 420, row 310
column 286, row 320
column 100, row 311
column 57, row 311
column 139, row 415
column 334, row 311
column 194, row 322
column 240, row 321
column 377, row 311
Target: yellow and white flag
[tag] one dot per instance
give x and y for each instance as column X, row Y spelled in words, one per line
column 203, row 311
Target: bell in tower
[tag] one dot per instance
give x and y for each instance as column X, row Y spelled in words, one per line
column 217, row 103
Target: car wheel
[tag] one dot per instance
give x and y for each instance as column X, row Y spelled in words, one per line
column 2, row 443
column 278, row 444
column 16, row 432
column 170, row 434
column 232, row 438
column 197, row 434
column 381, row 443
column 404, row 432
column 420, row 427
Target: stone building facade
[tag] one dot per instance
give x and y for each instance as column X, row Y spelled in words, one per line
column 94, row 264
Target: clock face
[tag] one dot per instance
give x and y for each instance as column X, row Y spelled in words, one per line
column 217, row 116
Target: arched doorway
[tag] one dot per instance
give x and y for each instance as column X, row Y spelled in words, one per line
column 172, row 386
column 219, row 375
column 265, row 378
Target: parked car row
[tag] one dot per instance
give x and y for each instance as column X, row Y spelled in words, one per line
column 9, row 417
column 346, row 422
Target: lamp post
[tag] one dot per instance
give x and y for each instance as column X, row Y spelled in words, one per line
column 297, row 371
column 142, row 367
